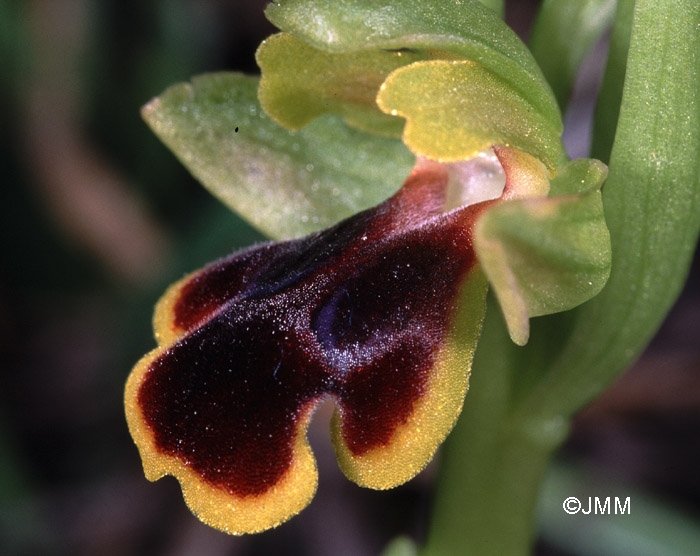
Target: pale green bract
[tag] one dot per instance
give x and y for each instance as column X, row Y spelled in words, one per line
column 550, row 254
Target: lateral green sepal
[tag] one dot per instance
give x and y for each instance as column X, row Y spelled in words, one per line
column 550, row 254
column 287, row 184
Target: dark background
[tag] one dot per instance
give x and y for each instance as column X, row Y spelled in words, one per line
column 97, row 218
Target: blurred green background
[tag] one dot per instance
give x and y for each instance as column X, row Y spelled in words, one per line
column 97, row 218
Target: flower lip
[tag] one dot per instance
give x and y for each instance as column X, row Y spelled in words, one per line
column 361, row 312
column 380, row 312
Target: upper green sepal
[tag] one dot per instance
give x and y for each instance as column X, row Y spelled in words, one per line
column 341, row 54
column 549, row 254
column 287, row 184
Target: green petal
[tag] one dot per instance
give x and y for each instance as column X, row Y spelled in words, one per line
column 300, row 83
column 550, row 254
column 455, row 109
column 287, row 184
column 426, row 30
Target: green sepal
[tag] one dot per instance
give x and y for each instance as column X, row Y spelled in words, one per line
column 287, row 184
column 456, row 109
column 550, row 254
column 418, row 30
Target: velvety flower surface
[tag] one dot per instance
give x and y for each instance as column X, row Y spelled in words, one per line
column 380, row 312
column 363, row 312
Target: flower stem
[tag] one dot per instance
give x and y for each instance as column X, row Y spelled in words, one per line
column 492, row 464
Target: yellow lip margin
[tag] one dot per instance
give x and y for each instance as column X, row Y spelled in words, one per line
column 415, row 442
column 215, row 506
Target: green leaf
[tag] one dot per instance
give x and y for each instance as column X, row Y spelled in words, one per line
column 652, row 207
column 547, row 255
column 287, row 184
column 456, row 109
column 563, row 34
column 454, row 30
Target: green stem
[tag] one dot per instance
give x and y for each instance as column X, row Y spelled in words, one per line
column 493, row 464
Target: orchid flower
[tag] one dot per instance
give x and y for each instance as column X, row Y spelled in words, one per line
column 374, row 294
